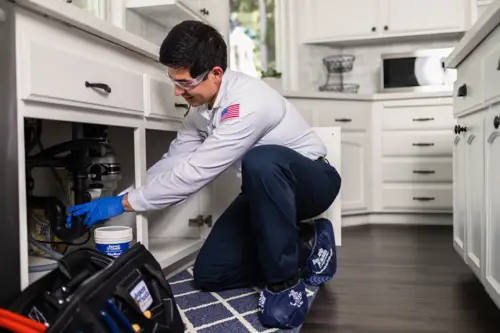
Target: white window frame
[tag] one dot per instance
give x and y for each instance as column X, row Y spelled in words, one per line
column 287, row 44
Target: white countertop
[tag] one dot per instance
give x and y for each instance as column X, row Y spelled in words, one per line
column 479, row 31
column 365, row 97
column 74, row 16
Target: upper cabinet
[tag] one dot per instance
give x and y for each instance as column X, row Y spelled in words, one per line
column 338, row 19
column 168, row 13
column 354, row 21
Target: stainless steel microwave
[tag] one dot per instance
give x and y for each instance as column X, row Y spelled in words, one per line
column 419, row 71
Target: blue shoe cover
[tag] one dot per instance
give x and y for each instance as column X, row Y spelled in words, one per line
column 285, row 309
column 321, row 265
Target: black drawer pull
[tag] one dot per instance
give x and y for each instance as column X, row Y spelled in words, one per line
column 498, row 66
column 462, row 90
column 180, row 105
column 424, row 198
column 343, row 120
column 423, row 119
column 496, row 122
column 424, row 172
column 423, row 144
column 102, row 86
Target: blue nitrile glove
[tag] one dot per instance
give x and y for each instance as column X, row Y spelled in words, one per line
column 97, row 210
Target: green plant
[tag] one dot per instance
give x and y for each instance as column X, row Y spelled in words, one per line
column 270, row 73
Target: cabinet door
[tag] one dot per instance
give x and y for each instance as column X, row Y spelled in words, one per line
column 414, row 16
column 354, row 176
column 459, row 199
column 331, row 136
column 492, row 230
column 474, row 189
column 216, row 13
column 339, row 19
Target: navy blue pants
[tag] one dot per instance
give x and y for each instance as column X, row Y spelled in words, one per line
column 255, row 242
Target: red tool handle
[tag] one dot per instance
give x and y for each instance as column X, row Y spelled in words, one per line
column 19, row 323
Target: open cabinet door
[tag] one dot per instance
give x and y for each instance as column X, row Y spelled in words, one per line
column 331, row 136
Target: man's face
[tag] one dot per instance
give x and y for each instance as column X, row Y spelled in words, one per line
column 199, row 90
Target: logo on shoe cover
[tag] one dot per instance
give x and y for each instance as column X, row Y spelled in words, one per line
column 322, row 260
column 296, row 297
column 262, row 302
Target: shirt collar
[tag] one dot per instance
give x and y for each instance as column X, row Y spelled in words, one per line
column 203, row 110
column 223, row 87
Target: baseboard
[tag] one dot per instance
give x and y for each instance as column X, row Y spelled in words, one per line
column 399, row 218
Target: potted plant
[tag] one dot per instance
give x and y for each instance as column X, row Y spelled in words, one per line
column 273, row 78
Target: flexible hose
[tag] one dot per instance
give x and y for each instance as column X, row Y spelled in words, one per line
column 54, row 254
column 42, row 268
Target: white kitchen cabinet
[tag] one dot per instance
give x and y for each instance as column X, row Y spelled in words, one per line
column 492, row 184
column 421, row 16
column 474, row 190
column 161, row 102
column 476, row 58
column 343, row 22
column 338, row 19
column 469, row 214
column 353, row 118
column 459, row 194
column 171, row 12
column 128, row 92
column 355, row 176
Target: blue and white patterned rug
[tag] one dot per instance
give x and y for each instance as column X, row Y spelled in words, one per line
column 232, row 311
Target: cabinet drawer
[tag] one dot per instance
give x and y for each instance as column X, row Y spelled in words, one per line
column 418, row 117
column 468, row 88
column 418, row 170
column 58, row 76
column 491, row 72
column 418, row 198
column 418, row 144
column 355, row 119
column 163, row 103
column 349, row 116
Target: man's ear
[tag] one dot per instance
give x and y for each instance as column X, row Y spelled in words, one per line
column 217, row 72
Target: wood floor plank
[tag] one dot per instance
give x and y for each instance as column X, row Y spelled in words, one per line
column 401, row 279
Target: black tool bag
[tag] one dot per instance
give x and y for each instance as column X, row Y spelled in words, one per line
column 91, row 292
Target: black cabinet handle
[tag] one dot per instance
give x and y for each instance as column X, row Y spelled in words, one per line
column 386, row 28
column 423, row 119
column 462, row 90
column 343, row 120
column 423, row 144
column 459, row 129
column 424, row 172
column 102, row 86
column 424, row 198
column 180, row 105
column 496, row 122
column 498, row 66
column 374, row 29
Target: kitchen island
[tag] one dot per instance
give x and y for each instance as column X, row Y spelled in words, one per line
column 476, row 151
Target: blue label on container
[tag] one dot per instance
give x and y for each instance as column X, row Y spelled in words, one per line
column 113, row 250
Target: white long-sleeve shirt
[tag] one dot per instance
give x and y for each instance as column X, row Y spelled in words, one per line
column 247, row 113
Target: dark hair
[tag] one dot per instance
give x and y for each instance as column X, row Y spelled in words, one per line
column 195, row 46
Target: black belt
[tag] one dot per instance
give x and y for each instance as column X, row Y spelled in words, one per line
column 322, row 159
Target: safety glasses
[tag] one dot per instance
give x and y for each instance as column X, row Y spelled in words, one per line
column 189, row 84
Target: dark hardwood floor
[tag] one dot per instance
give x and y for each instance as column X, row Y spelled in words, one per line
column 401, row 279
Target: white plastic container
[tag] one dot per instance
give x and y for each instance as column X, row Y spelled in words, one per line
column 113, row 240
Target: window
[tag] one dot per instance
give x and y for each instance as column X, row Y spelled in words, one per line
column 252, row 37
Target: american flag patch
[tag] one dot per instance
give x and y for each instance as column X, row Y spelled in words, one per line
column 232, row 111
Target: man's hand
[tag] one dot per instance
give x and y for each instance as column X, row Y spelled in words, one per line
column 98, row 210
